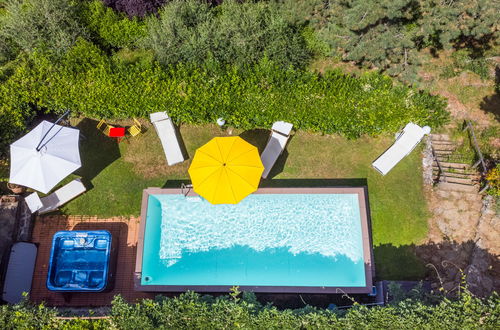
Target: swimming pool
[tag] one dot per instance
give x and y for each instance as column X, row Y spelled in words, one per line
column 275, row 240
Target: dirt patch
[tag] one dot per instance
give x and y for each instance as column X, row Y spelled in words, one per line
column 462, row 241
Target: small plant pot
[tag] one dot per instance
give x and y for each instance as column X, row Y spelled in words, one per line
column 16, row 189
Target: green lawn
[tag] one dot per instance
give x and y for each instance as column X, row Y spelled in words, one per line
column 119, row 173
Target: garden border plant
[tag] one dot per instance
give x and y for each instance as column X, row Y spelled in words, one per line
column 92, row 84
column 193, row 311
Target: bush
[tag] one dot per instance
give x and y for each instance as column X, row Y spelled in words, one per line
column 233, row 33
column 47, row 25
column 192, row 311
column 111, row 28
column 462, row 61
column 92, row 84
column 493, row 177
column 26, row 316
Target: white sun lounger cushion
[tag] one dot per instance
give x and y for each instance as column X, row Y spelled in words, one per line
column 412, row 134
column 275, row 146
column 168, row 138
column 33, row 201
column 61, row 196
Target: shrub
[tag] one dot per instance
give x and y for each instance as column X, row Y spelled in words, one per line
column 182, row 32
column 48, row 25
column 193, row 311
column 462, row 61
column 26, row 316
column 233, row 33
column 111, row 28
column 92, row 84
column 493, row 177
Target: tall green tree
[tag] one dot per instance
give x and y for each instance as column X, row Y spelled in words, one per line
column 232, row 33
column 375, row 33
column 45, row 25
column 446, row 23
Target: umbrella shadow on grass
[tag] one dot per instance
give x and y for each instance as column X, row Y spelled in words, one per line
column 97, row 151
column 259, row 138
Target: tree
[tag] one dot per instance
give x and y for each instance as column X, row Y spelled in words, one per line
column 233, row 33
column 181, row 33
column 46, row 25
column 444, row 23
column 376, row 33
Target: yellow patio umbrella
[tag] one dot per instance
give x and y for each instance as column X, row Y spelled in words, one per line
column 226, row 170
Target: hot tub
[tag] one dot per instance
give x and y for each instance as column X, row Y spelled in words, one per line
column 80, row 261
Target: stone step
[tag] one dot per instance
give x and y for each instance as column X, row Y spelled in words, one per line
column 443, row 147
column 448, row 186
column 456, row 159
column 455, row 170
column 450, row 179
column 443, row 152
column 443, row 144
column 465, row 175
column 440, row 137
column 453, row 165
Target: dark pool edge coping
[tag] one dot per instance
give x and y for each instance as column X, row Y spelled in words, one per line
column 364, row 209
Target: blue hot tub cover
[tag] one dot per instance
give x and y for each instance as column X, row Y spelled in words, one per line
column 79, row 261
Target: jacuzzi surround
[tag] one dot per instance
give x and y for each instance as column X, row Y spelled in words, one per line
column 80, row 261
column 150, row 246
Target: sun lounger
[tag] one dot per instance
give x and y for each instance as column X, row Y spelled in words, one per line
column 58, row 198
column 19, row 274
column 406, row 141
column 280, row 134
column 168, row 137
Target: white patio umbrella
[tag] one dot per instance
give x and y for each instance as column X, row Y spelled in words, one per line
column 44, row 156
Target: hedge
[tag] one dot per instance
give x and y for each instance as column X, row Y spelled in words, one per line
column 92, row 84
column 192, row 311
column 111, row 28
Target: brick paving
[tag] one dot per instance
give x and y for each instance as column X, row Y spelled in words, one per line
column 125, row 229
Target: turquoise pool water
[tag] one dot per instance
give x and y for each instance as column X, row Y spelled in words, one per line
column 265, row 240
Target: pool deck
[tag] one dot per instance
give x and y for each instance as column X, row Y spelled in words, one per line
column 124, row 229
column 364, row 208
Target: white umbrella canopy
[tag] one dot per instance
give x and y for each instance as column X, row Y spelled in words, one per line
column 42, row 164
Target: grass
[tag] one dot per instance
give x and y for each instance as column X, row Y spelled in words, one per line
column 119, row 173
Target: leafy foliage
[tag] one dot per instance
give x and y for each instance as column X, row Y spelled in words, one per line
column 92, row 84
column 387, row 35
column 192, row 311
column 26, row 316
column 112, row 28
column 233, row 33
column 493, row 177
column 374, row 33
column 462, row 61
column 47, row 25
column 444, row 23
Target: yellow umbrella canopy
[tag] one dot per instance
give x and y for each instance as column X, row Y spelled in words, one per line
column 226, row 170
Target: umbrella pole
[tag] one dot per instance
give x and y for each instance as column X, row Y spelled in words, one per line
column 40, row 146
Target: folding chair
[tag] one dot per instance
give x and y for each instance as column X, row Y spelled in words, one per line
column 135, row 129
column 104, row 127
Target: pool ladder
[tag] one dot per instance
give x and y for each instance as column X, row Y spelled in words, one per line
column 185, row 189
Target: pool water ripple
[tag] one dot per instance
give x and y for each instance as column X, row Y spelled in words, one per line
column 325, row 224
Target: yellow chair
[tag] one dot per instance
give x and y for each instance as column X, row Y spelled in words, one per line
column 104, row 127
column 135, row 129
